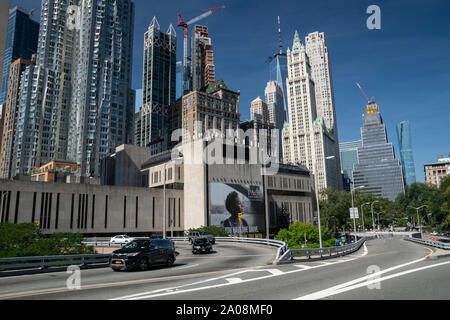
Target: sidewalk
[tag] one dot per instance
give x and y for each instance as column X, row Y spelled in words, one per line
column 439, row 253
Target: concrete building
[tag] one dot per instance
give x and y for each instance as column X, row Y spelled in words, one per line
column 178, row 190
column 306, row 140
column 207, row 187
column 259, row 111
column 123, row 167
column 89, row 209
column 10, row 112
column 436, row 171
column 54, row 171
column 158, row 82
column 217, row 108
column 21, row 42
column 4, row 11
column 202, row 59
column 377, row 170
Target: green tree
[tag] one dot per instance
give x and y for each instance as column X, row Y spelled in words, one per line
column 25, row 239
column 295, row 236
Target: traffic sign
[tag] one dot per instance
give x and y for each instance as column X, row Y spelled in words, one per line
column 354, row 213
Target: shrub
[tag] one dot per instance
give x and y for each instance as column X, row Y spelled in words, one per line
column 295, row 236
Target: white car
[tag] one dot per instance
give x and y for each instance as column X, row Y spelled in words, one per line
column 120, row 239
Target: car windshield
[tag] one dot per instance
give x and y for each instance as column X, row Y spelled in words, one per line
column 137, row 244
column 201, row 241
column 203, row 233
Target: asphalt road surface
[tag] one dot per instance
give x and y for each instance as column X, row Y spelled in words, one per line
column 383, row 269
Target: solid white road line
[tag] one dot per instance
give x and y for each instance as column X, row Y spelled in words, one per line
column 178, row 290
column 330, row 292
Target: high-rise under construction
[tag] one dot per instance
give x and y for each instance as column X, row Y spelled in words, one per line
column 202, row 59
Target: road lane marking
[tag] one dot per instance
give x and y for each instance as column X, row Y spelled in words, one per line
column 233, row 280
column 185, row 267
column 346, row 284
column 275, row 272
column 327, row 293
column 302, row 266
column 163, row 292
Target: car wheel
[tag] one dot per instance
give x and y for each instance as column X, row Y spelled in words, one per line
column 170, row 261
column 143, row 264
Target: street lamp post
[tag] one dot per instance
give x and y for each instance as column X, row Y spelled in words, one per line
column 353, row 207
column 373, row 220
column 318, row 204
column 362, row 213
column 164, row 203
column 418, row 217
column 378, row 214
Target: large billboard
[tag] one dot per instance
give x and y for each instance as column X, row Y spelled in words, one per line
column 238, row 208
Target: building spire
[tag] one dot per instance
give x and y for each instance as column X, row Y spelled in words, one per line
column 297, row 43
column 171, row 31
column 154, row 23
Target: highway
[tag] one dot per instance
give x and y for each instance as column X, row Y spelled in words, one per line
column 390, row 268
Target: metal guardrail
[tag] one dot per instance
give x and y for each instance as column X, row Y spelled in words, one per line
column 282, row 246
column 324, row 253
column 43, row 262
column 436, row 244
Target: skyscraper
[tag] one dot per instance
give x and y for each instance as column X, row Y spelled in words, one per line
column 21, row 42
column 202, row 59
column 278, row 72
column 306, row 140
column 76, row 103
column 406, row 152
column 4, row 11
column 158, row 83
column 349, row 156
column 103, row 102
column 259, row 111
column 10, row 113
column 377, row 169
column 275, row 105
column 44, row 105
column 319, row 59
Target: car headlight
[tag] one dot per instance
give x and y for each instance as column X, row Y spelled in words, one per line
column 134, row 254
column 197, row 247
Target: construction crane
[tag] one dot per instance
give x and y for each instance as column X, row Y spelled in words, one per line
column 184, row 25
column 369, row 101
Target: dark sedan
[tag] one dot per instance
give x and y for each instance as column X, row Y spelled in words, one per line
column 201, row 245
column 141, row 254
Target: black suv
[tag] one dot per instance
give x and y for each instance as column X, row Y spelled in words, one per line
column 201, row 245
column 141, row 254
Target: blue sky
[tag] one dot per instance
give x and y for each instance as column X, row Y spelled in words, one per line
column 405, row 65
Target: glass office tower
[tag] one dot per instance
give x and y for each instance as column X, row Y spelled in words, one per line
column 159, row 83
column 349, row 156
column 406, row 152
column 377, row 169
column 279, row 73
column 21, row 42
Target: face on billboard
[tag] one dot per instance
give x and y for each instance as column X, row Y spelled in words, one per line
column 237, row 208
